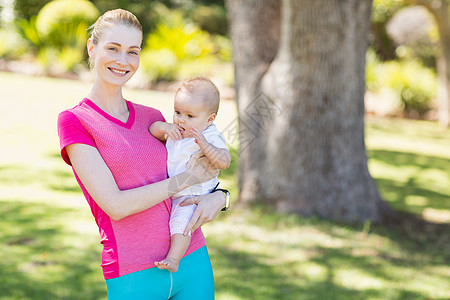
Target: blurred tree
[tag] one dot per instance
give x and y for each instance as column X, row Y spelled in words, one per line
column 382, row 11
column 440, row 9
column 149, row 12
column 300, row 90
column 144, row 10
column 28, row 8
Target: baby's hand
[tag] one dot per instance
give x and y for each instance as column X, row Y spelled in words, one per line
column 172, row 130
column 199, row 138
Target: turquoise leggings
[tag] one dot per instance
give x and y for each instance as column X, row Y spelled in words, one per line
column 193, row 280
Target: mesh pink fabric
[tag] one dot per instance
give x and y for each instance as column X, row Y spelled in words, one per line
column 135, row 158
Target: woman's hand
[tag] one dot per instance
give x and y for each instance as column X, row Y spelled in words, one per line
column 200, row 168
column 208, row 207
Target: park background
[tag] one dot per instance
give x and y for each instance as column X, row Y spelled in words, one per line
column 49, row 242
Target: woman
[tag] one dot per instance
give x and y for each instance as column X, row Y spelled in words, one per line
column 121, row 169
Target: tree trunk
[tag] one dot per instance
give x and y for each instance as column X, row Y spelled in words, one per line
column 300, row 91
column 443, row 24
column 440, row 11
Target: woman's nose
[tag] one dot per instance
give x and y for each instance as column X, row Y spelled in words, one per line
column 121, row 60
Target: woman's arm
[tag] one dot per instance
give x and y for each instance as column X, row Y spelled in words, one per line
column 99, row 182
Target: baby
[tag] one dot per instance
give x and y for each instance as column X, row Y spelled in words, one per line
column 195, row 109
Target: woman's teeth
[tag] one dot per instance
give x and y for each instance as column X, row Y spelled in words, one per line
column 119, row 71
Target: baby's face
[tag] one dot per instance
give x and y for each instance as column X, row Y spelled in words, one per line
column 190, row 112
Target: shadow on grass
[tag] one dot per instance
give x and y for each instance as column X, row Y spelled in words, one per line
column 38, row 262
column 396, row 192
column 57, row 180
column 246, row 276
column 396, row 158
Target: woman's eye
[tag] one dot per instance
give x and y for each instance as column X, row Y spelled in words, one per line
column 133, row 53
column 112, row 49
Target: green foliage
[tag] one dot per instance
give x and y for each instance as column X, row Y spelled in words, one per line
column 382, row 10
column 224, row 48
column 28, row 8
column 409, row 82
column 415, row 84
column 159, row 64
column 211, row 18
column 27, row 29
column 372, row 66
column 61, row 12
column 176, row 46
column 12, row 45
column 143, row 10
column 60, row 32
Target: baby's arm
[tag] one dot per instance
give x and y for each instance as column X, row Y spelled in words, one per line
column 219, row 157
column 161, row 130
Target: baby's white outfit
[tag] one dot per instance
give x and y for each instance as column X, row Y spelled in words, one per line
column 178, row 154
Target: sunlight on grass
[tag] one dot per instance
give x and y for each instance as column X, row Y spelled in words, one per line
column 343, row 261
column 410, row 162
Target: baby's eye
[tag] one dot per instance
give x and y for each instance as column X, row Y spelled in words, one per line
column 177, row 112
column 190, row 116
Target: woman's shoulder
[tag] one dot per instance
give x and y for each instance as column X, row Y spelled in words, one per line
column 71, row 111
column 67, row 116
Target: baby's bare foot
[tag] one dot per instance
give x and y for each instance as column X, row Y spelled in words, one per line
column 168, row 263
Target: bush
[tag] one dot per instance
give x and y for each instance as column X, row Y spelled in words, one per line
column 211, row 18
column 65, row 12
column 28, row 31
column 159, row 64
column 12, row 45
column 62, row 29
column 176, row 47
column 28, row 8
column 411, row 84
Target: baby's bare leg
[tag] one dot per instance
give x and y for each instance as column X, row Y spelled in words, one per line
column 178, row 247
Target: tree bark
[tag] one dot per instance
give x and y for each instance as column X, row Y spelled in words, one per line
column 443, row 24
column 300, row 97
column 255, row 27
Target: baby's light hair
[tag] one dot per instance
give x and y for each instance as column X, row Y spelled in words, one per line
column 203, row 87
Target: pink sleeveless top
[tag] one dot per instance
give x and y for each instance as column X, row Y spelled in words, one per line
column 135, row 158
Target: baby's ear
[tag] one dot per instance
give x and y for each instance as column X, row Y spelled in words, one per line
column 211, row 118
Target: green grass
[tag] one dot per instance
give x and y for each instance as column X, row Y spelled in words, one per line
column 411, row 161
column 50, row 247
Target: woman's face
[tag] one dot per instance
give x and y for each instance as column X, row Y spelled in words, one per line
column 116, row 55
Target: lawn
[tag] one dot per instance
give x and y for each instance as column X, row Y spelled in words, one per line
column 50, row 247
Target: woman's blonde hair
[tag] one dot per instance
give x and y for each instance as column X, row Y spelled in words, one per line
column 117, row 17
column 112, row 17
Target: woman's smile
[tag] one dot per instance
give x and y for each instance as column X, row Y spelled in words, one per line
column 118, row 72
